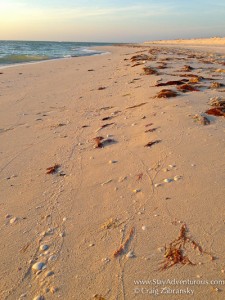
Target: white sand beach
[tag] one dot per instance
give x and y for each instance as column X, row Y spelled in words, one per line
column 136, row 188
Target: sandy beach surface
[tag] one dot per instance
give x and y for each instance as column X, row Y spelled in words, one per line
column 107, row 181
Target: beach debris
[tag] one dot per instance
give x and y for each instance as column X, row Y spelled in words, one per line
column 151, row 130
column 135, row 191
column 98, row 141
column 186, row 68
column 44, row 247
column 54, row 169
column 98, row 297
column 148, row 125
column 195, row 79
column 166, row 93
column 217, row 101
column 49, row 273
column 111, row 223
column 121, row 179
column 39, row 297
column 216, row 85
column 112, row 161
column 130, row 254
column 150, row 144
column 101, row 142
column 157, row 185
column 53, row 289
column 105, row 108
column 168, row 180
column 150, row 71
column 106, row 182
column 216, row 111
column 202, row 119
column 90, row 70
column 137, row 105
column 107, row 118
column 177, row 177
column 38, row 266
column 139, row 57
column 124, row 245
column 101, row 88
column 104, row 125
column 187, row 88
column 143, row 227
column 139, row 176
column 220, row 71
column 176, row 252
column 172, row 82
column 13, row 220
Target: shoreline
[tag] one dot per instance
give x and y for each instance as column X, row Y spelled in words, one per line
column 99, row 173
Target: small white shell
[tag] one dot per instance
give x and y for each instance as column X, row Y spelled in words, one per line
column 38, row 266
column 44, row 247
column 143, row 227
column 168, row 180
column 136, row 191
column 130, row 254
column 177, row 177
column 38, row 298
column 157, row 185
column 13, row 220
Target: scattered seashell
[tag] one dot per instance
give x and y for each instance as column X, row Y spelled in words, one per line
column 112, row 162
column 52, row 258
column 53, row 289
column 143, row 227
column 39, row 297
column 38, row 266
column 165, row 170
column 13, row 220
column 157, row 185
column 62, row 234
column 106, row 182
column 106, row 260
column 172, row 166
column 130, row 254
column 49, row 273
column 64, row 219
column 168, row 180
column 91, row 245
column 161, row 249
column 121, row 179
column 177, row 177
column 136, row 191
column 44, row 247
column 223, row 271
column 193, row 165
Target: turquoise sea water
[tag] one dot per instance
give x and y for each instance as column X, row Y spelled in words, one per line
column 13, row 52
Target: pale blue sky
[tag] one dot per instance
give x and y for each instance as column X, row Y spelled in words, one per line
column 110, row 21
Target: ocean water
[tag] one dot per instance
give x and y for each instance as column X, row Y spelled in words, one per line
column 14, row 52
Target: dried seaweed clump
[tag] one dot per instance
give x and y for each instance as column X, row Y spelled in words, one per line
column 216, row 85
column 124, row 245
column 150, row 144
column 172, row 82
column 52, row 170
column 187, row 88
column 186, row 68
column 139, row 57
column 218, row 109
column 176, row 252
column 100, row 142
column 202, row 119
column 165, row 93
column 149, row 71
